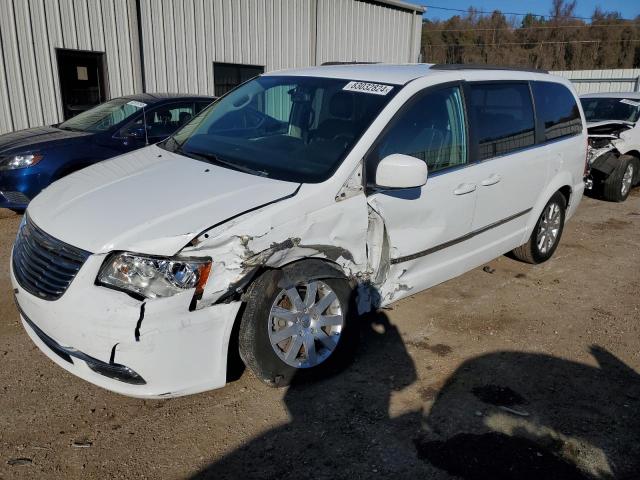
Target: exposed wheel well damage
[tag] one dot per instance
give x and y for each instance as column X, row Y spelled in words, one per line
column 323, row 268
column 314, row 269
column 243, row 249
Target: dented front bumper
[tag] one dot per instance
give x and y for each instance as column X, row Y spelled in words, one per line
column 103, row 334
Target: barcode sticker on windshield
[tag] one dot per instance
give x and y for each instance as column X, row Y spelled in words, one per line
column 364, row 87
column 133, row 103
column 630, row 102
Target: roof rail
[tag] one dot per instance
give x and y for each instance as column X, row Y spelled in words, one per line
column 326, row 64
column 478, row 66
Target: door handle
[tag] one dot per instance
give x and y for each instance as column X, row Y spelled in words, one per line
column 465, row 188
column 492, row 180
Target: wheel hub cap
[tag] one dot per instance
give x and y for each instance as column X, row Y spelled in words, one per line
column 549, row 228
column 304, row 333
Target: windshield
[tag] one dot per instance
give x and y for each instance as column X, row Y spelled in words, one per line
column 289, row 128
column 103, row 116
column 601, row 109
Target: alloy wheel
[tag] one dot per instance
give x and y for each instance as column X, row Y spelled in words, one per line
column 549, row 228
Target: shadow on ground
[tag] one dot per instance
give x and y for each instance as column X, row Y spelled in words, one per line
column 504, row 415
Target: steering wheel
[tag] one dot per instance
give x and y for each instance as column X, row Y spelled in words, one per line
column 348, row 137
column 250, row 115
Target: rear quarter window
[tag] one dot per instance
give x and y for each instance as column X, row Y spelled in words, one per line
column 556, row 109
column 502, row 115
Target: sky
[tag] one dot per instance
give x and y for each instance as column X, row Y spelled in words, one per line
column 628, row 8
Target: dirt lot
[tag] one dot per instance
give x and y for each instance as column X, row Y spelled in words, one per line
column 512, row 371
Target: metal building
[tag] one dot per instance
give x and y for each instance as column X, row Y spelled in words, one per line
column 59, row 57
column 595, row 81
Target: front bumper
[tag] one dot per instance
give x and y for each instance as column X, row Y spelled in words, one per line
column 107, row 338
column 18, row 187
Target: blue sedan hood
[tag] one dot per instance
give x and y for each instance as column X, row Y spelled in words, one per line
column 37, row 138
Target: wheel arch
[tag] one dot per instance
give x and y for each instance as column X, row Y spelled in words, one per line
column 566, row 192
column 561, row 183
column 321, row 268
column 635, row 154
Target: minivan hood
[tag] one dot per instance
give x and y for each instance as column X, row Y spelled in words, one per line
column 34, row 138
column 148, row 201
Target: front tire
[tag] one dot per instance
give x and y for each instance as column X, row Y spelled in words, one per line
column 617, row 186
column 296, row 325
column 546, row 234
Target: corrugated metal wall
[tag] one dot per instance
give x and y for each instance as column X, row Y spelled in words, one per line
column 594, row 81
column 363, row 31
column 30, row 32
column 182, row 39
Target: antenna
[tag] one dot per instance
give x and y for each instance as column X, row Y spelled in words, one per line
column 144, row 121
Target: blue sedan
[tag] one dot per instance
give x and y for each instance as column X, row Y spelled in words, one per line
column 33, row 158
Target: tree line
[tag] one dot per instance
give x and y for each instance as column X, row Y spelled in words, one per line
column 559, row 41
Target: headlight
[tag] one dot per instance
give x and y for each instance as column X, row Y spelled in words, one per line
column 153, row 277
column 24, row 160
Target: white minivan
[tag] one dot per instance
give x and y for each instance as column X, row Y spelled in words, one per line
column 294, row 202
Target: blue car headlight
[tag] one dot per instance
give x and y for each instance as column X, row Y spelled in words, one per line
column 22, row 160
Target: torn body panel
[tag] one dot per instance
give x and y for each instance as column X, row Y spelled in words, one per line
column 608, row 140
column 280, row 235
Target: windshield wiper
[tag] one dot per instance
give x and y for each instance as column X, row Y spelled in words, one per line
column 214, row 159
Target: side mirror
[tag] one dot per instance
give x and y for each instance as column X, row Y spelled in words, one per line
column 401, row 171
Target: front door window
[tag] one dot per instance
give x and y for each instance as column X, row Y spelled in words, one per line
column 432, row 129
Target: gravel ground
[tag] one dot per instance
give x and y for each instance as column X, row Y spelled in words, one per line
column 511, row 371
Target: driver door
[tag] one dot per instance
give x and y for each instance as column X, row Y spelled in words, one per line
column 427, row 225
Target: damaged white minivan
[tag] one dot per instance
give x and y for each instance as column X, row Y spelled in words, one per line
column 293, row 201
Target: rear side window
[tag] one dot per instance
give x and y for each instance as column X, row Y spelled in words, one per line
column 556, row 109
column 432, row 129
column 502, row 114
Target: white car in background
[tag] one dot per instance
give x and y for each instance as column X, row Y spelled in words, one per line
column 614, row 142
column 285, row 206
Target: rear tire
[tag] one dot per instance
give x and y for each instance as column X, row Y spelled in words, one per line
column 296, row 325
column 618, row 184
column 546, row 234
column 636, row 165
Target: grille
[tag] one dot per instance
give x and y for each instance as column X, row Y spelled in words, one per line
column 15, row 197
column 43, row 265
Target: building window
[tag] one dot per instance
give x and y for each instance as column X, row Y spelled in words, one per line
column 227, row 76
